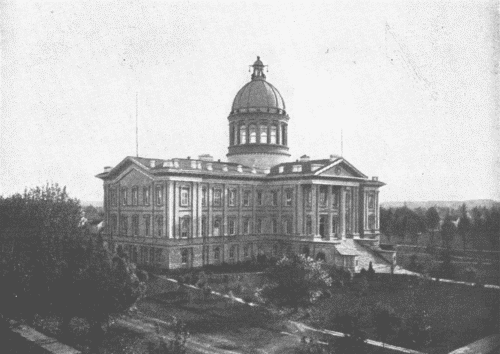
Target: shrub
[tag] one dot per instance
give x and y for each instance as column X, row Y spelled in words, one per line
column 371, row 272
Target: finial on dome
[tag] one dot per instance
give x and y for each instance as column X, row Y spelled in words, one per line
column 258, row 69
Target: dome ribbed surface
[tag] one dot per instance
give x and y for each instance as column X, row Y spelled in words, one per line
column 258, row 94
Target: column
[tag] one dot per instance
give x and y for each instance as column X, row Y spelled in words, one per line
column 342, row 213
column 315, row 208
column 169, row 220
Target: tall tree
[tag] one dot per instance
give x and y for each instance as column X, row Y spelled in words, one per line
column 432, row 221
column 295, row 282
column 464, row 225
column 448, row 231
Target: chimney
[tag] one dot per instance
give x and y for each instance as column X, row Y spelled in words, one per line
column 152, row 163
column 304, row 158
column 107, row 168
column 206, row 157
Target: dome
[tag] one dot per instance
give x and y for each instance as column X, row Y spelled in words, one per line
column 259, row 94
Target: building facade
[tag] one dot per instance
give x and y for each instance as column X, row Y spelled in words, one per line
column 186, row 212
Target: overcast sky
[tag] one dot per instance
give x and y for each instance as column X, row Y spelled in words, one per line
column 411, row 84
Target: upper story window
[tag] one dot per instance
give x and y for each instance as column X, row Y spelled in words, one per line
column 273, row 135
column 185, row 223
column 246, row 226
column 263, row 134
column 146, row 197
column 259, row 198
column 243, row 134
column 159, row 195
column 231, row 229
column 184, row 196
column 259, row 226
column 159, row 226
column 309, row 225
column 308, row 196
column 288, row 197
column 297, row 168
column 124, row 225
column 246, row 197
column 231, row 197
column 147, row 225
column 273, row 196
column 135, row 225
column 217, row 197
column 253, row 134
column 204, row 229
column 112, row 197
column 124, row 196
column 135, row 195
column 204, row 197
column 371, row 201
column 217, row 226
column 323, row 196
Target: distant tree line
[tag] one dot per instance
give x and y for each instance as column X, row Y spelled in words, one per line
column 51, row 266
column 443, row 225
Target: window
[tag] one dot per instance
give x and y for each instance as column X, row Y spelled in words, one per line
column 204, row 230
column 231, row 199
column 371, row 222
column 133, row 254
column 217, row 254
column 114, row 224
column 124, row 225
column 274, row 226
column 297, row 168
column 184, row 196
column 184, row 256
column 371, row 201
column 143, row 255
column 246, row 254
column 309, row 225
column 147, row 225
column 112, row 197
column 204, row 197
column 217, row 196
column 232, row 226
column 135, row 225
column 246, row 198
column 216, row 229
column 146, row 195
column 272, row 135
column 308, row 196
column 253, row 134
column 158, row 255
column 159, row 226
column 275, row 250
column 246, row 226
column 259, row 197
column 288, row 197
column 124, row 196
column 185, row 225
column 287, row 226
column 159, row 195
column 273, row 196
column 232, row 253
column 135, row 196
column 263, row 134
column 258, row 226
column 323, row 195
column 243, row 134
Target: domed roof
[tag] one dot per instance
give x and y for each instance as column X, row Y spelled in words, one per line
column 258, row 93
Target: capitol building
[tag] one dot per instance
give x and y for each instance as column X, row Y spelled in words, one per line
column 189, row 212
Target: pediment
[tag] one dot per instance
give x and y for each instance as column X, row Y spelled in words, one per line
column 340, row 168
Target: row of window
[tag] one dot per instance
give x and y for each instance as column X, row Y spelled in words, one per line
column 185, row 197
column 234, row 252
column 323, row 197
column 144, row 254
column 185, row 226
column 258, row 134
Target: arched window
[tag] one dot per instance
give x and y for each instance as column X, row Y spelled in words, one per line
column 253, row 134
column 243, row 134
column 263, row 134
column 272, row 136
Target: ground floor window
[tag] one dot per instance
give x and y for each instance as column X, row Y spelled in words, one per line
column 232, row 253
column 216, row 229
column 185, row 256
column 275, row 250
column 217, row 254
column 246, row 252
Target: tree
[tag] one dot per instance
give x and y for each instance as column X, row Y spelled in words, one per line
column 432, row 221
column 464, row 225
column 295, row 282
column 354, row 338
column 448, row 231
column 386, row 322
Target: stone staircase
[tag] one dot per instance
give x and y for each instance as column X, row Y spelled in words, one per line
column 365, row 255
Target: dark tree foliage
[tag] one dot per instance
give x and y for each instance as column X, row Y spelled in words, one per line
column 354, row 338
column 52, row 267
column 386, row 322
column 432, row 220
column 294, row 282
column 448, row 231
column 464, row 225
column 402, row 222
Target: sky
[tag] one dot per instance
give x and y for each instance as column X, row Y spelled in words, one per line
column 412, row 86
